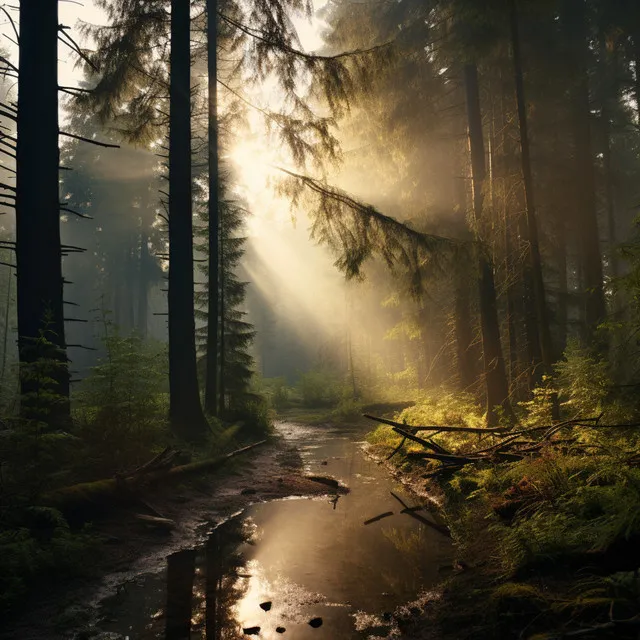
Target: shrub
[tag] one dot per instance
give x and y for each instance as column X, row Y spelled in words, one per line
column 320, row 388
column 121, row 405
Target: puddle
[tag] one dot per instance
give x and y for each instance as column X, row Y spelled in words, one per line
column 277, row 566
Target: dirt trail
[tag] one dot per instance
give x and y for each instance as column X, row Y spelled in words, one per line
column 132, row 547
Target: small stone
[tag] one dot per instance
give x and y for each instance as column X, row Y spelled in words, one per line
column 251, row 631
column 324, row 463
column 248, row 492
column 280, row 629
column 265, row 606
column 386, row 616
column 315, row 622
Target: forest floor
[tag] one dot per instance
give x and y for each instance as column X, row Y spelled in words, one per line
column 129, row 546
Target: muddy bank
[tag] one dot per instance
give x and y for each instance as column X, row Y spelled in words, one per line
column 131, row 546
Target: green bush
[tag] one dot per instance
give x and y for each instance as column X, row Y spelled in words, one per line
column 320, row 388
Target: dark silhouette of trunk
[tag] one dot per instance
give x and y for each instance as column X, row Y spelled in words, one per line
column 181, row 570
column 497, row 388
column 511, row 303
column 38, row 252
column 608, row 71
column 187, row 419
column 538, row 294
column 221, row 406
column 585, row 183
column 211, row 383
column 5, row 328
column 143, row 285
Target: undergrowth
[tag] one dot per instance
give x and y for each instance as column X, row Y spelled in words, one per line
column 553, row 540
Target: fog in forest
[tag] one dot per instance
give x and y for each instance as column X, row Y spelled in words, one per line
column 386, row 253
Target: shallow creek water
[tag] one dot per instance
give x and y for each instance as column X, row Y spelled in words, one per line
column 279, row 565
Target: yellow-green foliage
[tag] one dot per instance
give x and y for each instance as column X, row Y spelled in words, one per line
column 443, row 408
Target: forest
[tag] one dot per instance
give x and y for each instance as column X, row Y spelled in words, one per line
column 364, row 254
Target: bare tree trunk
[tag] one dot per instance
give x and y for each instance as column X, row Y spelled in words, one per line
column 497, row 387
column 187, row 419
column 222, row 386
column 38, row 252
column 211, row 382
column 537, row 281
column 5, row 328
column 576, row 28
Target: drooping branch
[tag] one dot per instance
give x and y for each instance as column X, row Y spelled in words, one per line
column 108, row 145
column 356, row 231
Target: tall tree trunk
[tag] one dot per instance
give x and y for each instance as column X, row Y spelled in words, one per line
column 38, row 252
column 497, row 387
column 5, row 329
column 211, row 383
column 537, row 281
column 576, row 28
column 185, row 411
column 222, row 386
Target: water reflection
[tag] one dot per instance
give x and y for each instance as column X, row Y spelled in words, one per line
column 309, row 569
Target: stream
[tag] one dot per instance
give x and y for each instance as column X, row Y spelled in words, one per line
column 329, row 568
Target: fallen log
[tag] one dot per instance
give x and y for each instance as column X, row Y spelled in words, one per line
column 96, row 493
column 391, row 423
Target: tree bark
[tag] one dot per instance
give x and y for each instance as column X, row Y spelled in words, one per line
column 38, row 252
column 185, row 410
column 222, row 386
column 575, row 20
column 211, row 382
column 537, row 281
column 497, row 387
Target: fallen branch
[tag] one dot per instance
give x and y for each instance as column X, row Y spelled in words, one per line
column 99, row 492
column 405, row 427
column 425, row 443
